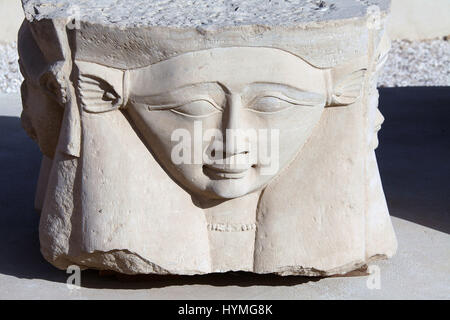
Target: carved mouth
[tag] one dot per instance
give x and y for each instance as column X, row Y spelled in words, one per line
column 226, row 171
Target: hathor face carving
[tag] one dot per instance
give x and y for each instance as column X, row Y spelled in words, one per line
column 235, row 116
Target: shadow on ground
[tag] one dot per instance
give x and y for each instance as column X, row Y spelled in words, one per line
column 91, row 279
column 414, row 161
column 19, row 243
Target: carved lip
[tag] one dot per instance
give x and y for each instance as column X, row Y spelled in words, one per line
column 227, row 171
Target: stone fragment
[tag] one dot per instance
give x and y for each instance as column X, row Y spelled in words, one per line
column 191, row 137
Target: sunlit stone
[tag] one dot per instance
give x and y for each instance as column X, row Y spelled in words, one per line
column 201, row 136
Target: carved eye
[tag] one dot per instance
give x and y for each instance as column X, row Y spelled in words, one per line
column 197, row 109
column 270, row 104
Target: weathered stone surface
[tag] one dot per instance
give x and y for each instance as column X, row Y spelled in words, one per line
column 109, row 100
column 196, row 13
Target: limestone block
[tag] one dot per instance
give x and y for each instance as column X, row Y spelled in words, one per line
column 191, row 137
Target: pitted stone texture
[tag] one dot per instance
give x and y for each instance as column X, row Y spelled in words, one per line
column 204, row 13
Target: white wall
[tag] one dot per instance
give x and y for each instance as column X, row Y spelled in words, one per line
column 11, row 17
column 419, row 19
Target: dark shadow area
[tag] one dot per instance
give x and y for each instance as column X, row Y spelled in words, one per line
column 19, row 240
column 414, row 154
column 113, row 280
column 95, row 280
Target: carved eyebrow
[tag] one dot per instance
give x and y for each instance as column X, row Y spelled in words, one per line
column 290, row 93
column 209, row 91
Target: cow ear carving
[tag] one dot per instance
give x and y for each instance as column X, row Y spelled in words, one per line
column 97, row 95
column 345, row 83
column 348, row 88
column 100, row 88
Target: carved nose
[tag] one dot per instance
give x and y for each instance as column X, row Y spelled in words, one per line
column 235, row 139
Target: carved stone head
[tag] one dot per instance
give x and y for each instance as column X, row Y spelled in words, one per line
column 194, row 151
column 222, row 122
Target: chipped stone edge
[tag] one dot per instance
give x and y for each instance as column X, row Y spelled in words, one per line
column 96, row 260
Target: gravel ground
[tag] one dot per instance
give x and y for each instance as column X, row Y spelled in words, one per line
column 10, row 77
column 425, row 63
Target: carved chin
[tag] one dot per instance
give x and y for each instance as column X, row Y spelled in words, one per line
column 226, row 186
column 232, row 187
column 229, row 193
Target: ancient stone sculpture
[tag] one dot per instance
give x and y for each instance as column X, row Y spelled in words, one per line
column 191, row 150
